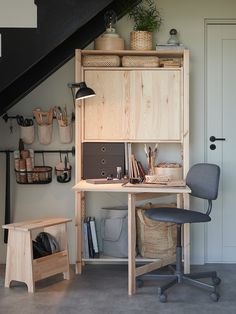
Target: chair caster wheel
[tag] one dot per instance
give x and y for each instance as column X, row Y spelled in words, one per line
column 216, row 281
column 139, row 283
column 215, row 296
column 163, row 298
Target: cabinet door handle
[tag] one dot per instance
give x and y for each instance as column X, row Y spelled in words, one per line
column 213, row 138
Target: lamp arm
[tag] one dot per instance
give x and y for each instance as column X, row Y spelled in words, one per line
column 73, row 95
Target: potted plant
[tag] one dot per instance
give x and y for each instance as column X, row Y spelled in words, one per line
column 146, row 19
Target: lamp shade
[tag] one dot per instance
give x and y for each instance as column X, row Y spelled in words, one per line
column 84, row 91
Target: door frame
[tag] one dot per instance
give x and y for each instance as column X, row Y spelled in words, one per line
column 209, row 21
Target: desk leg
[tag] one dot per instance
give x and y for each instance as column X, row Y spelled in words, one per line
column 78, row 232
column 186, row 239
column 131, row 244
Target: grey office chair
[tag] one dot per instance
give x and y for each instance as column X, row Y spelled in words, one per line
column 203, row 180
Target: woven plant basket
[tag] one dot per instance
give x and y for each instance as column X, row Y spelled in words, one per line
column 155, row 239
column 140, row 40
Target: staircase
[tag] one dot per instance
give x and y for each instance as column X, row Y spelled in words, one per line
column 30, row 55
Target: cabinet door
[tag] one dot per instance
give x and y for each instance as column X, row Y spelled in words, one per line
column 133, row 105
column 106, row 116
column 156, row 105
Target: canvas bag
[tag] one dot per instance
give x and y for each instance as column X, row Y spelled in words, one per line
column 114, row 232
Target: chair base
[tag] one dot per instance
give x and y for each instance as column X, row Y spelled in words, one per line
column 178, row 277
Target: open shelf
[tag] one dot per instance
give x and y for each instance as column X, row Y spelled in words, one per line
column 161, row 53
column 110, row 259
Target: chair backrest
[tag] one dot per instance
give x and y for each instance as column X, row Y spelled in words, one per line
column 203, row 180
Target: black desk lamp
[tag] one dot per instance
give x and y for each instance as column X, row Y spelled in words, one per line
column 83, row 91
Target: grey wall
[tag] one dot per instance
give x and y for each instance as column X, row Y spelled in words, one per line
column 49, row 200
column 187, row 16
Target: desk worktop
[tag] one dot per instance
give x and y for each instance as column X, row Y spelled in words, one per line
column 118, row 187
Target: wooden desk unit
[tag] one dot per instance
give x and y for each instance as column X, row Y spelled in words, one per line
column 134, row 193
column 133, row 105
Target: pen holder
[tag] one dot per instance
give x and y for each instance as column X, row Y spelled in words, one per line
column 45, row 134
column 27, row 134
column 65, row 134
column 150, row 165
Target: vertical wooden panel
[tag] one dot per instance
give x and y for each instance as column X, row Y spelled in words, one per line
column 186, row 239
column 131, row 244
column 78, row 232
column 186, row 113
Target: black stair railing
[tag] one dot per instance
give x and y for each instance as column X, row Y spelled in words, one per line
column 29, row 56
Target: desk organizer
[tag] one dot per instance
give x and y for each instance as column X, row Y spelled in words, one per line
column 40, row 175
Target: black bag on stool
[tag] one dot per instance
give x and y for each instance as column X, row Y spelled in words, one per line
column 44, row 244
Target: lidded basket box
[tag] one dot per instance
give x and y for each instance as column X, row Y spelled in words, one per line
column 101, row 61
column 140, row 61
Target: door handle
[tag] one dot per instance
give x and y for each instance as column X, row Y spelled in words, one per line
column 213, row 138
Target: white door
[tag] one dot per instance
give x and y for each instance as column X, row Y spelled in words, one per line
column 221, row 123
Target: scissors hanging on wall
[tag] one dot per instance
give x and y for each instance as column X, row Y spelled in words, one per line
column 24, row 121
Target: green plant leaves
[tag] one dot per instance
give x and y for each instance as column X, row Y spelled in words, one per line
column 146, row 16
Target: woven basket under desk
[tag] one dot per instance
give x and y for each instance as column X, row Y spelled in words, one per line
column 155, row 239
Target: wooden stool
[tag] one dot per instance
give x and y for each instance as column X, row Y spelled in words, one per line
column 20, row 264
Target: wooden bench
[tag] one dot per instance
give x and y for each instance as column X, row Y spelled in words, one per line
column 21, row 266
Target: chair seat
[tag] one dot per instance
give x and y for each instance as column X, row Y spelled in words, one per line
column 176, row 215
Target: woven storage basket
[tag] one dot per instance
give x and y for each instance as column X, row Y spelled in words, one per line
column 157, row 179
column 140, row 40
column 171, row 171
column 101, row 61
column 140, row 61
column 155, row 239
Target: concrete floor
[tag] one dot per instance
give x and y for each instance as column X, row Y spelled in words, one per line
column 102, row 289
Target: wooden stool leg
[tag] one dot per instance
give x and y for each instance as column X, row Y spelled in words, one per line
column 19, row 259
column 10, row 258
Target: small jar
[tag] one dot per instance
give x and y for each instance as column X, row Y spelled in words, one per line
column 173, row 40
